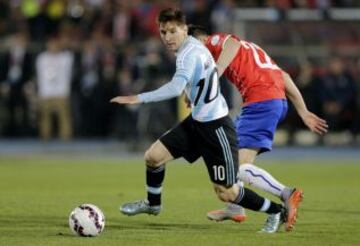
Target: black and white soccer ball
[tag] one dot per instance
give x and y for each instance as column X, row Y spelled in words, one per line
column 87, row 220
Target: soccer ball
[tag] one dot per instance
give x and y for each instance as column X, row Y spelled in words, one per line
column 87, row 220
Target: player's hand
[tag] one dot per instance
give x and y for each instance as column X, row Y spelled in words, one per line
column 125, row 100
column 315, row 123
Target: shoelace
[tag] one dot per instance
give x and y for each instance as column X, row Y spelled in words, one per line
column 139, row 204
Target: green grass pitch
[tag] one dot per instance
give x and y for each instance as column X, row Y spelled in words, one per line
column 37, row 195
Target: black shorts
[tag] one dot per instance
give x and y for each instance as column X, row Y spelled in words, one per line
column 215, row 141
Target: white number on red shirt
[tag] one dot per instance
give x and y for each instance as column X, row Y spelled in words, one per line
column 256, row 50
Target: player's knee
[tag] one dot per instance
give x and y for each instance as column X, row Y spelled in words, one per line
column 153, row 156
column 226, row 194
column 245, row 160
column 247, row 155
column 150, row 158
column 220, row 194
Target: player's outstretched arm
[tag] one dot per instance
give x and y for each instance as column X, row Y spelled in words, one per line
column 171, row 89
column 134, row 99
column 311, row 120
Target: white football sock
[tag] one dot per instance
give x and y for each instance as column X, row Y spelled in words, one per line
column 260, row 179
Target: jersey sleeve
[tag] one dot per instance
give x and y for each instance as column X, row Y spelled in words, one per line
column 185, row 67
column 215, row 43
column 171, row 89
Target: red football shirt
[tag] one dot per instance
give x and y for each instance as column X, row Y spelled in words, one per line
column 252, row 71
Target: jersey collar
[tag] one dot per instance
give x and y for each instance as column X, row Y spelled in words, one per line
column 183, row 45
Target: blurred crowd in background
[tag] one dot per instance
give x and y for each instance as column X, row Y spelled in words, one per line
column 61, row 61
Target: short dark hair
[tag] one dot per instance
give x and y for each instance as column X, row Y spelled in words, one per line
column 171, row 14
column 196, row 30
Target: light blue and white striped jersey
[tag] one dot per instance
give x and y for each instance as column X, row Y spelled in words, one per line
column 196, row 73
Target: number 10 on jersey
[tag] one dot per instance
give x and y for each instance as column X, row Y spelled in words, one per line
column 219, row 173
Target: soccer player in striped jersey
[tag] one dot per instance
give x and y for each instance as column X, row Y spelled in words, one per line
column 208, row 132
column 264, row 87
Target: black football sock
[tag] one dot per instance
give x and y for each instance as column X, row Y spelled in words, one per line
column 154, row 179
column 250, row 200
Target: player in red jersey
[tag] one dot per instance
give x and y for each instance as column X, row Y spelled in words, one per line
column 264, row 88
